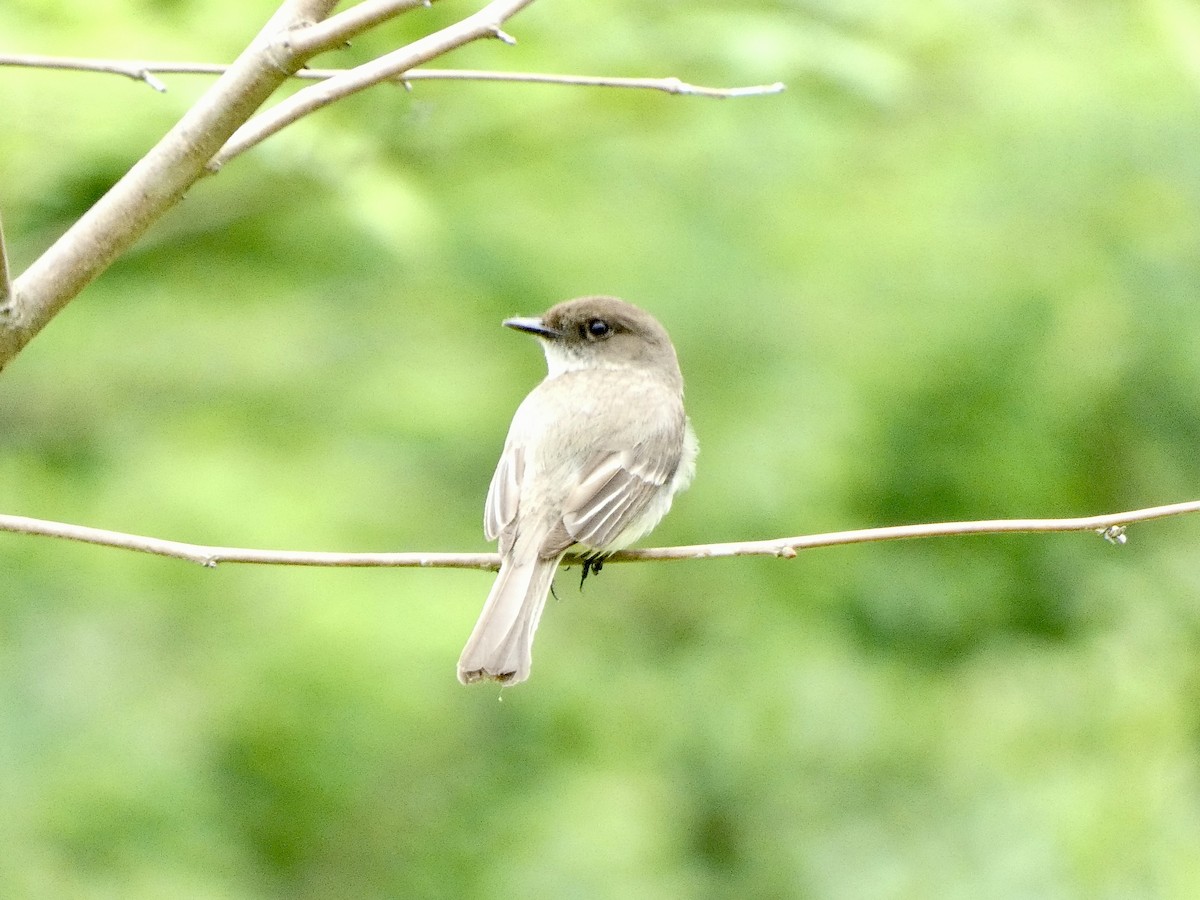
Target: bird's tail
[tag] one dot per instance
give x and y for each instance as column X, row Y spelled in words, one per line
column 501, row 646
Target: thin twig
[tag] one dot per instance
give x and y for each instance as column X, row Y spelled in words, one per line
column 1110, row 526
column 210, row 556
column 140, row 70
column 484, row 23
column 666, row 85
column 304, row 41
column 339, row 29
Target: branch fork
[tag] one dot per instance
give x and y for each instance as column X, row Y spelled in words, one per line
column 225, row 123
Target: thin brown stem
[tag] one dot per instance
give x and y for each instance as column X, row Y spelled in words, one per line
column 143, row 70
column 338, row 29
column 666, row 85
column 1111, row 526
column 484, row 23
column 138, row 71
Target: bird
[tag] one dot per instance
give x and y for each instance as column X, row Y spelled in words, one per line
column 593, row 459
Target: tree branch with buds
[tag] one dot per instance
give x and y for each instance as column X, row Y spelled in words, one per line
column 147, row 72
column 226, row 122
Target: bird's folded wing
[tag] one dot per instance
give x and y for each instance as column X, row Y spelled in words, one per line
column 503, row 494
column 611, row 496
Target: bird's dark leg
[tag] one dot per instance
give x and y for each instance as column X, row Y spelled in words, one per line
column 591, row 564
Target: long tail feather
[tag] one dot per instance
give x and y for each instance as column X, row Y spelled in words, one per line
column 501, row 646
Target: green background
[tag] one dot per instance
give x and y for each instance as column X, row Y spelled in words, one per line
column 951, row 273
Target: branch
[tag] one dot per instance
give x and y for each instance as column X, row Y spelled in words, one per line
column 146, row 71
column 666, row 85
column 223, row 125
column 156, row 182
column 337, row 30
column 138, row 71
column 1111, row 527
column 484, row 23
column 210, row 556
column 304, row 40
column 193, row 147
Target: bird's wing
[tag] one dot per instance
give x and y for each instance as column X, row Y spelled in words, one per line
column 500, row 508
column 614, row 491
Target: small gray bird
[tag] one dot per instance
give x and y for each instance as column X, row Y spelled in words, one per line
column 594, row 456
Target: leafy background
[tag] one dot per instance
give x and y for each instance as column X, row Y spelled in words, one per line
column 950, row 273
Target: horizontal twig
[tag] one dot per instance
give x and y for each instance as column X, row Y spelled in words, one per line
column 302, row 42
column 666, row 85
column 1110, row 526
column 147, row 72
column 138, row 71
column 210, row 556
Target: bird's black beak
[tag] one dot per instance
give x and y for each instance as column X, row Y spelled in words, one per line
column 535, row 327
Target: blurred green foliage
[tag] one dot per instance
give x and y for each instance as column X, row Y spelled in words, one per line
column 952, row 273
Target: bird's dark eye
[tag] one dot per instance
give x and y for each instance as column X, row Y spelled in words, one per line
column 596, row 329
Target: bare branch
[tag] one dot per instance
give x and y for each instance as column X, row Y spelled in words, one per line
column 210, row 556
column 1111, row 527
column 337, row 30
column 155, row 183
column 666, row 85
column 220, row 127
column 138, row 71
column 141, row 70
column 484, row 23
